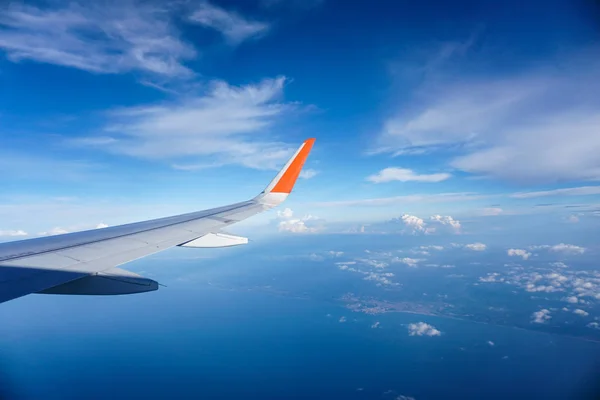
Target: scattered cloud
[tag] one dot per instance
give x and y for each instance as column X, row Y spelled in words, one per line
column 540, row 317
column 411, row 262
column 475, row 246
column 593, row 325
column 54, row 231
column 567, row 248
column 375, row 325
column 308, row 173
column 234, row 27
column 111, row 37
column 101, row 225
column 447, row 220
column 307, row 224
column 581, row 312
column 405, row 175
column 492, row 344
column 422, row 329
column 413, row 224
column 524, row 254
column 13, row 233
column 573, row 219
column 342, row 319
column 408, row 199
column 571, row 299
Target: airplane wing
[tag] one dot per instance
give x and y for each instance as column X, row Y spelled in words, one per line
column 86, row 262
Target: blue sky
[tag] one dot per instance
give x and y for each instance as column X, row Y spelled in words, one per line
column 484, row 113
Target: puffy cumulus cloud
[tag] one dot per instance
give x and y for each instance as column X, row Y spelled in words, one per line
column 581, row 312
column 13, row 233
column 381, row 279
column 447, row 220
column 475, row 246
column 422, row 329
column 306, row 224
column 540, row 317
column 524, row 254
column 405, row 175
column 101, row 225
column 222, row 125
column 491, row 278
column 342, row 319
column 234, row 27
column 571, row 299
column 415, row 225
column 567, row 249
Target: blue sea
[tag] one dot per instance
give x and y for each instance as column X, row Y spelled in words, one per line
column 211, row 334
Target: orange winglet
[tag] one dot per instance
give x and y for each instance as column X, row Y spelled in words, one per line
column 288, row 179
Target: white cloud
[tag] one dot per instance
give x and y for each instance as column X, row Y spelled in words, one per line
column 307, row 224
column 581, row 312
column 413, row 224
column 408, row 199
column 411, row 262
column 308, row 173
column 447, row 220
column 54, row 231
column 540, row 317
column 571, row 299
column 475, row 246
column 422, row 329
column 524, row 254
column 405, row 175
column 13, row 233
column 234, row 27
column 375, row 325
column 433, row 247
column 107, row 37
column 226, row 125
column 492, row 344
column 101, row 225
column 593, row 325
column 567, row 248
column 498, row 123
column 491, row 211
column 575, row 191
column 342, row 319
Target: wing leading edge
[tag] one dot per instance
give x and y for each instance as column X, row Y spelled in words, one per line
column 86, row 262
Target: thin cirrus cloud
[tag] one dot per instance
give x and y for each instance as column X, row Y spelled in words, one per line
column 228, row 124
column 536, row 126
column 405, row 175
column 116, row 37
column 234, row 27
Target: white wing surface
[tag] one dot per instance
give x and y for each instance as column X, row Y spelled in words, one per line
column 86, row 262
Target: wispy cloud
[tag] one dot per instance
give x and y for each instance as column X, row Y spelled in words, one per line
column 107, row 37
column 234, row 27
column 415, row 198
column 498, row 124
column 405, row 175
column 13, row 233
column 226, row 125
column 308, row 173
column 574, row 191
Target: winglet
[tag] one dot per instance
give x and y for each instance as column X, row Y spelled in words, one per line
column 284, row 182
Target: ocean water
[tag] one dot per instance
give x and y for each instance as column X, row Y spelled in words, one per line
column 255, row 323
column 230, row 345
